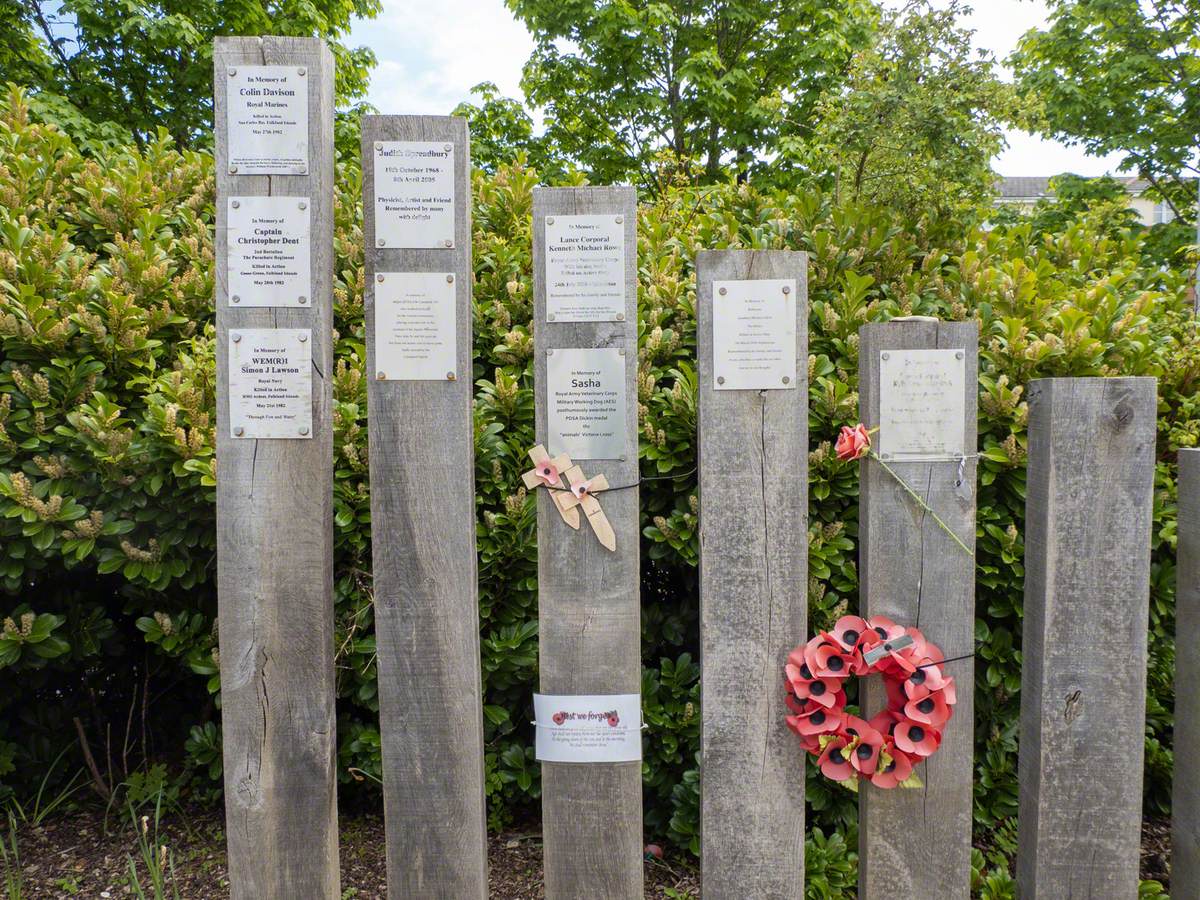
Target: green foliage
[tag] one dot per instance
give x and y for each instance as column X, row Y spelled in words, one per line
column 502, row 134
column 1119, row 76
column 106, row 370
column 109, row 71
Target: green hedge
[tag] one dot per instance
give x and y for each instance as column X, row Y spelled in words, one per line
column 107, row 464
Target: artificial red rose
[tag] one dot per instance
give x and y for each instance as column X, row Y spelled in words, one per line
column 916, row 739
column 833, row 761
column 894, row 767
column 853, row 443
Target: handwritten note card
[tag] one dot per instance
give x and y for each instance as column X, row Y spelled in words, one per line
column 588, row 729
column 415, row 326
column 754, row 334
column 585, row 394
column 585, row 268
column 414, row 194
column 922, row 407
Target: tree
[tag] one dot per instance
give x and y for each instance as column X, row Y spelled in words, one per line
column 711, row 81
column 1121, row 76
column 132, row 66
column 501, row 130
column 919, row 119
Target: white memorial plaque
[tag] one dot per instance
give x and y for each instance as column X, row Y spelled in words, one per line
column 267, row 110
column 270, row 383
column 585, row 268
column 754, row 334
column 588, row 728
column 922, row 406
column 585, row 394
column 415, row 326
column 269, row 263
column 414, row 194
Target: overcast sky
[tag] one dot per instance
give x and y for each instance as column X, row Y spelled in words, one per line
column 432, row 52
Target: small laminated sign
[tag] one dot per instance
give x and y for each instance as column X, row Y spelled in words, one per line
column 591, row 728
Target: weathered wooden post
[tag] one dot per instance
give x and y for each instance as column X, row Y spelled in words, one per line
column 585, row 278
column 273, row 106
column 1083, row 683
column 918, row 384
column 417, row 236
column 752, row 352
column 1185, row 842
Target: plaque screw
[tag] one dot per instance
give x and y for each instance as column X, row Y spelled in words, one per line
column 303, row 205
column 304, row 338
column 379, row 278
column 787, row 289
column 549, row 317
column 379, row 145
column 239, row 431
column 381, row 242
column 236, row 203
column 958, row 355
column 620, row 220
column 301, row 170
column 786, row 379
column 722, row 292
column 303, row 71
column 621, row 352
column 885, row 455
column 720, row 379
column 620, row 317
column 236, row 299
column 303, row 300
column 304, row 429
column 233, row 170
column 449, row 279
column 237, row 338
column 450, row 376
column 549, row 220
column 549, row 352
column 449, row 243
column 232, row 72
column 449, row 148
column 883, row 356
column 381, row 376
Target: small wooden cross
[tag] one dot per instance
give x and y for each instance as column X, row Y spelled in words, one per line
column 583, row 494
column 548, row 472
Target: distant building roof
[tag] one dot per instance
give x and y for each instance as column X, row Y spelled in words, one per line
column 1031, row 187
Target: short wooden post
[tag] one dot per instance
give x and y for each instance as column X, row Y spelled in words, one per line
column 753, row 597
column 1088, row 511
column 917, row 842
column 419, row 354
column 275, row 518
column 1185, row 843
column 588, row 597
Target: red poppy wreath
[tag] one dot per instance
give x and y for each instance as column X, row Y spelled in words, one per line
column 920, row 701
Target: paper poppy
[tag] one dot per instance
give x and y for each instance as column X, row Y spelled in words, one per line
column 547, row 472
column 835, row 760
column 917, row 739
column 893, row 769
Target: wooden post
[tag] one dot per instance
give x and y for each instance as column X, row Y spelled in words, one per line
column 753, row 599
column 1185, row 843
column 588, row 597
column 275, row 531
column 917, row 842
column 423, row 528
column 1083, row 681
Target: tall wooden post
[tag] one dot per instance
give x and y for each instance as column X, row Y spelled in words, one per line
column 1083, row 681
column 1185, row 843
column 917, row 843
column 753, row 574
column 419, row 356
column 588, row 597
column 275, row 477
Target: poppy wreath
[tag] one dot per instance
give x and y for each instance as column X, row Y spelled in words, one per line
column 885, row 749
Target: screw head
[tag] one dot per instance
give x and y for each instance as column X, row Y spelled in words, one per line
column 720, row 379
column 236, row 338
column 449, row 279
column 379, row 278
column 303, row 338
column 303, row 204
column 787, row 289
column 303, row 300
column 549, row 352
column 302, row 170
column 379, row 145
column 450, row 376
column 304, row 429
column 236, row 299
column 620, row 317
column 235, row 203
column 549, row 220
column 302, row 71
column 239, row 431
column 549, row 317
column 621, row 352
column 449, row 148
column 381, row 376
column 885, row 456
column 381, row 242
column 883, row 356
column 620, row 220
column 232, row 71
column 233, row 170
column 787, row 379
column 722, row 292
column 959, row 355
column 448, row 242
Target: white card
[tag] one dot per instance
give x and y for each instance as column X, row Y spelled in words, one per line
column 585, row 268
column 269, row 259
column 754, row 335
column 414, row 194
column 588, row 728
column 922, row 406
column 267, row 120
column 270, row 383
column 415, row 326
column 585, row 403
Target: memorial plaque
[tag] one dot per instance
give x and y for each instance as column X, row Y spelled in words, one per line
column 270, row 383
column 269, row 258
column 585, row 268
column 585, row 396
column 415, row 326
column 267, row 120
column 414, row 194
column 754, row 334
column 921, row 404
column 588, row 728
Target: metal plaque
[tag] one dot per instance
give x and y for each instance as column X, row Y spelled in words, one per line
column 754, row 334
column 267, row 120
column 270, row 383
column 585, row 268
column 414, row 194
column 585, row 403
column 415, row 326
column 269, row 263
column 922, row 404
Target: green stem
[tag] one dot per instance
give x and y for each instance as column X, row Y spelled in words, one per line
column 920, row 500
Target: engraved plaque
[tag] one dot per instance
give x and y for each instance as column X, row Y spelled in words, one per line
column 922, row 407
column 269, row 259
column 414, row 194
column 415, row 326
column 754, row 334
column 267, row 109
column 270, row 383
column 585, row 394
column 585, row 268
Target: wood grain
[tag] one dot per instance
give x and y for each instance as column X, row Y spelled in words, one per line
column 275, row 544
column 1083, row 680
column 588, row 603
column 425, row 569
column 917, row 842
column 1185, row 841
column 753, row 602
